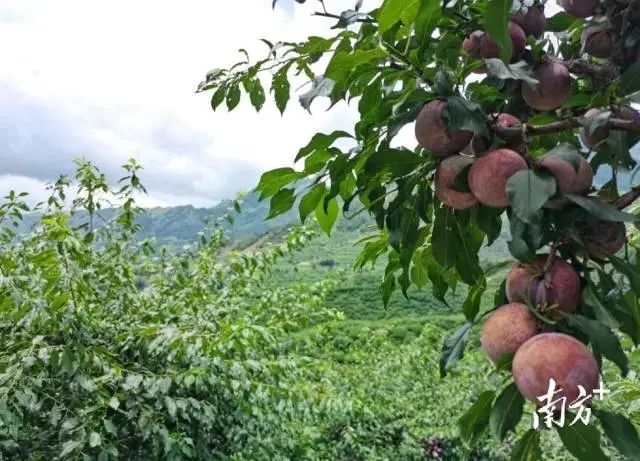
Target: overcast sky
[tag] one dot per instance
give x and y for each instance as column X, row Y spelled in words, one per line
column 109, row 80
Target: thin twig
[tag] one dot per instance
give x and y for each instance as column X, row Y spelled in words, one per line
column 551, row 258
column 337, row 16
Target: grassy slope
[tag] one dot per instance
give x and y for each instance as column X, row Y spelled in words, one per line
column 387, row 359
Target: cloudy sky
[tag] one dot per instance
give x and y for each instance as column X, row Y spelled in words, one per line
column 111, row 80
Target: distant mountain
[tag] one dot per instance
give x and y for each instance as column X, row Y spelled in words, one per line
column 181, row 224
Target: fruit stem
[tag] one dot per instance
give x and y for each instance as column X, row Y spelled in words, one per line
column 552, row 257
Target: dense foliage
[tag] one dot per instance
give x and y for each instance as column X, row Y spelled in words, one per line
column 535, row 104
column 112, row 349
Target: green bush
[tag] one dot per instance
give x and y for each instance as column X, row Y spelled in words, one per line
column 94, row 366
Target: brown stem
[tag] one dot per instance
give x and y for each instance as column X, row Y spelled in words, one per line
column 551, row 259
column 627, row 199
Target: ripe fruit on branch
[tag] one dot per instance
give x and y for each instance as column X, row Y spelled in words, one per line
column 490, row 49
column 506, row 329
column 471, row 47
column 533, row 22
column 489, row 175
column 554, row 87
column 505, row 120
column 569, row 179
column 626, row 113
column 597, row 41
column 471, row 44
column 602, row 239
column 558, row 288
column 431, row 131
column 557, row 356
column 579, row 8
column 601, row 133
column 446, row 174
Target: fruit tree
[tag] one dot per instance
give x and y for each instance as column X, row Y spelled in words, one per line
column 523, row 118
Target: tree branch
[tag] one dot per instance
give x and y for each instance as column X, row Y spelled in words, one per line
column 337, row 16
column 510, row 133
column 601, row 75
column 627, row 199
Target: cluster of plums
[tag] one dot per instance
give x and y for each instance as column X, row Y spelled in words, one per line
column 553, row 77
column 553, row 287
column 549, row 285
column 490, row 170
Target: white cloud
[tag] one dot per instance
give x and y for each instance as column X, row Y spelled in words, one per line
column 111, row 80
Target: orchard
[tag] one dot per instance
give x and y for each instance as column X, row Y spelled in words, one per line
column 474, row 115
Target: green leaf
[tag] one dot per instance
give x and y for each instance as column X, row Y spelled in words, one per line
column 582, row 441
column 59, row 301
column 233, row 97
column 630, row 80
column 520, row 70
column 471, row 305
column 602, row 338
column 327, row 217
column 310, row 201
column 506, row 412
column 476, row 419
column 218, row 97
column 419, row 274
column 393, row 11
column 621, row 432
column 461, row 114
column 281, row 202
column 528, row 191
column 281, row 87
column 453, row 348
column 398, row 162
column 95, row 440
column 602, row 210
column 343, row 63
column 500, row 297
column 523, row 244
column 256, row 95
column 528, row 447
column 70, row 446
column 496, row 23
column 490, row 222
column 560, row 22
column 629, row 271
column 110, row 427
column 321, row 141
column 272, row 181
column 505, row 361
column 445, row 239
column 171, row 406
column 387, row 287
column 429, row 13
column 316, row 161
column 590, row 299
